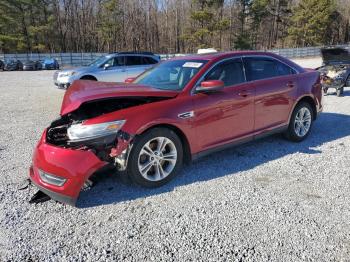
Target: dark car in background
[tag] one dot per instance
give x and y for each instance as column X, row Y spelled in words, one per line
column 335, row 72
column 50, row 64
column 32, row 65
column 13, row 65
column 2, row 65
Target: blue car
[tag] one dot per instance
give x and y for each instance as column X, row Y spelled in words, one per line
column 50, row 63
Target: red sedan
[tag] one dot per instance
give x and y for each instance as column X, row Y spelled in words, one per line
column 176, row 112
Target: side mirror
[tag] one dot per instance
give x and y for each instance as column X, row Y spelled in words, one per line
column 210, row 86
column 106, row 66
column 130, row 80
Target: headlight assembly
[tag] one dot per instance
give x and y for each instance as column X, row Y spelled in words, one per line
column 84, row 132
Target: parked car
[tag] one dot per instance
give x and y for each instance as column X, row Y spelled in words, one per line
column 335, row 72
column 32, row 65
column 114, row 67
column 178, row 111
column 13, row 65
column 50, row 64
column 2, row 65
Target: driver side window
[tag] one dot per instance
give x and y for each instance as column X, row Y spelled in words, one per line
column 115, row 61
column 230, row 72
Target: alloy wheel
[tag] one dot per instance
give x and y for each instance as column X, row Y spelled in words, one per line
column 302, row 122
column 157, row 158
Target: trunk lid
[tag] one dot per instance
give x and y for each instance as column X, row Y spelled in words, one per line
column 83, row 91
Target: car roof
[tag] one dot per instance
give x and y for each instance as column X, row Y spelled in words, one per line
column 220, row 55
column 214, row 57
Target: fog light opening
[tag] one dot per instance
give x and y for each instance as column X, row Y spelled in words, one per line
column 52, row 179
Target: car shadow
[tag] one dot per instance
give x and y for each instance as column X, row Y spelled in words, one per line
column 327, row 128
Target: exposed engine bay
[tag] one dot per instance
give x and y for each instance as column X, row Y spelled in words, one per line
column 336, row 69
column 57, row 132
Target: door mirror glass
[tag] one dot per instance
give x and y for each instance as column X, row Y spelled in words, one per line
column 210, row 86
column 106, row 66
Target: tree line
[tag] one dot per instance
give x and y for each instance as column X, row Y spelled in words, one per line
column 170, row 26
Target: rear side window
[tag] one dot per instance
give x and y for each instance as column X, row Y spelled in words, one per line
column 146, row 60
column 134, row 60
column 230, row 72
column 263, row 68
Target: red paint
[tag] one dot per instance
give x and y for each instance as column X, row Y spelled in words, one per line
column 74, row 165
column 212, row 84
column 130, row 80
column 230, row 114
column 83, row 90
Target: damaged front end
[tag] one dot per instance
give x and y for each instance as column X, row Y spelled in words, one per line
column 70, row 150
column 334, row 76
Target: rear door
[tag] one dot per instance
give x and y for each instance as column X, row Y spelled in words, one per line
column 225, row 115
column 275, row 86
column 137, row 64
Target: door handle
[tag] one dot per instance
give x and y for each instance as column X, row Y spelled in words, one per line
column 244, row 93
column 290, row 85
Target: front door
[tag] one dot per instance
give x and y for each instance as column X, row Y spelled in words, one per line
column 226, row 115
column 115, row 71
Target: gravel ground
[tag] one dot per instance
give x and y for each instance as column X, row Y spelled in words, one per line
column 270, row 200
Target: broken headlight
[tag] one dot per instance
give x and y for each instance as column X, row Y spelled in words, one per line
column 83, row 132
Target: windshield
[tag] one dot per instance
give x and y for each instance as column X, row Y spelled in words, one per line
column 171, row 75
column 98, row 61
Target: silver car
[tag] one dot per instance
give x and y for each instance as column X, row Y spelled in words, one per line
column 114, row 67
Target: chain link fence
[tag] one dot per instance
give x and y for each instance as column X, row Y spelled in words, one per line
column 79, row 59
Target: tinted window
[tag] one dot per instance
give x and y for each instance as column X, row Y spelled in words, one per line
column 262, row 68
column 133, row 60
column 146, row 60
column 230, row 72
column 119, row 61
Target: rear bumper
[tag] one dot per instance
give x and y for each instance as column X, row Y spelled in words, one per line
column 76, row 166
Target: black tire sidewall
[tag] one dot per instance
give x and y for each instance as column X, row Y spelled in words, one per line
column 132, row 168
column 291, row 134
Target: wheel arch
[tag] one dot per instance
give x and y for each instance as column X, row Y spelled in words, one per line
column 308, row 99
column 184, row 140
column 88, row 77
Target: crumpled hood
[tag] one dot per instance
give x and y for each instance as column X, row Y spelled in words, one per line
column 83, row 91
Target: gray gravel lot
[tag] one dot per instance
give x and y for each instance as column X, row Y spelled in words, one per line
column 270, row 200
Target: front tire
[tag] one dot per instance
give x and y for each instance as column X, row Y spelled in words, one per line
column 156, row 158
column 300, row 123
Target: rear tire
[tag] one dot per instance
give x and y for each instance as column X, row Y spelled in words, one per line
column 156, row 158
column 300, row 123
